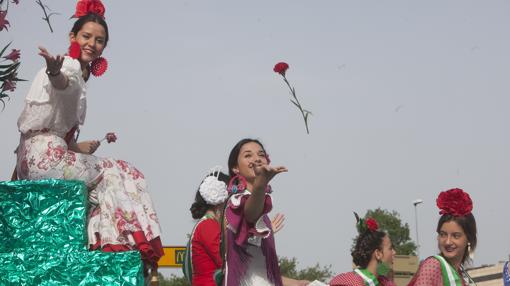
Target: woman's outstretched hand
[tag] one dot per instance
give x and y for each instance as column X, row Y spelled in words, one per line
column 53, row 64
column 265, row 173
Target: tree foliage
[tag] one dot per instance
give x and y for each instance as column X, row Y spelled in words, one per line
column 173, row 280
column 398, row 231
column 288, row 268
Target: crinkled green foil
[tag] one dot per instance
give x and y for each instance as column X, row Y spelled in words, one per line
column 71, row 266
column 45, row 212
column 43, row 239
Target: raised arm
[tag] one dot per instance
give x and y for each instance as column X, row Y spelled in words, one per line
column 255, row 203
column 53, row 65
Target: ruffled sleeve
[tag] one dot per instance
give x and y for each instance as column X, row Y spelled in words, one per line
column 49, row 108
column 429, row 274
column 243, row 230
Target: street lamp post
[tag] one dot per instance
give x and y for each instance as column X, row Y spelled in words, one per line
column 416, row 203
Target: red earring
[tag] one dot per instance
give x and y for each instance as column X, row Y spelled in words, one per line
column 98, row 66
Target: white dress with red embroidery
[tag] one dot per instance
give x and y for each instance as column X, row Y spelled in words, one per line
column 122, row 215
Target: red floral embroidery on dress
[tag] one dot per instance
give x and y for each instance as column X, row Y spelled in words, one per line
column 136, row 174
column 55, row 153
column 70, row 159
column 132, row 171
column 107, row 164
column 42, row 165
column 127, row 221
column 123, row 165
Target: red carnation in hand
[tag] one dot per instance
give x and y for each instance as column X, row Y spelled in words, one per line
column 74, row 50
column 281, row 68
column 110, row 137
column 454, row 202
column 372, row 224
column 85, row 7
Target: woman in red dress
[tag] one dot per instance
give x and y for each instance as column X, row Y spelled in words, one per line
column 456, row 239
column 204, row 245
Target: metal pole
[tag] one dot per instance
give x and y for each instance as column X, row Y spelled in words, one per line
column 417, row 236
column 416, row 203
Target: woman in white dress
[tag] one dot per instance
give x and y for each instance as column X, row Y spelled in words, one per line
column 121, row 214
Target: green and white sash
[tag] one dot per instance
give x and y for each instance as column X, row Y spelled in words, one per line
column 368, row 277
column 450, row 275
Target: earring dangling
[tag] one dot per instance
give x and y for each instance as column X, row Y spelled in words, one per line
column 98, row 66
column 74, row 50
column 470, row 253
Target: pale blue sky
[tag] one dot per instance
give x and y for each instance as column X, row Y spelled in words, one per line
column 409, row 98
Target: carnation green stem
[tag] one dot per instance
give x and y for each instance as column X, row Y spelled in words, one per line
column 292, row 91
column 46, row 16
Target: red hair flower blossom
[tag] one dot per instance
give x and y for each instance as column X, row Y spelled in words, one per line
column 84, row 7
column 281, row 68
column 454, row 202
column 372, row 224
column 74, row 50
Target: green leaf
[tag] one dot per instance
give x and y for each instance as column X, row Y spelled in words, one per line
column 295, row 103
column 5, row 48
column 11, row 69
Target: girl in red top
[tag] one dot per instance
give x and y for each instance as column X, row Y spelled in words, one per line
column 205, row 238
column 373, row 253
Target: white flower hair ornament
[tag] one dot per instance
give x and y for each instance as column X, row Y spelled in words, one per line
column 212, row 190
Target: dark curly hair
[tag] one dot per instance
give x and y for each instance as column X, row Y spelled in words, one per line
column 468, row 225
column 366, row 243
column 200, row 206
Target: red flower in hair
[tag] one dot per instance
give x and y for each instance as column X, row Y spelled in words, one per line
column 281, row 68
column 74, row 50
column 454, row 202
column 372, row 224
column 84, row 7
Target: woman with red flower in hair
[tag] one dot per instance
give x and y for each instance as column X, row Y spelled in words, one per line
column 456, row 238
column 373, row 254
column 122, row 216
